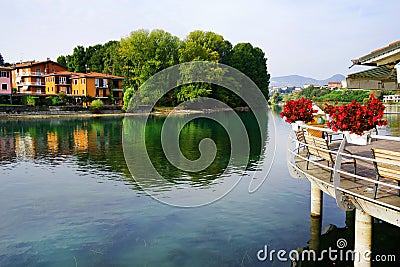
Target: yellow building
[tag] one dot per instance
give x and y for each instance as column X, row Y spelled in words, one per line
column 59, row 82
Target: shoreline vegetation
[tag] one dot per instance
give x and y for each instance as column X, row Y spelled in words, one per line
column 157, row 111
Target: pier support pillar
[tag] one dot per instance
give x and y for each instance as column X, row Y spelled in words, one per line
column 316, row 201
column 363, row 238
column 315, row 233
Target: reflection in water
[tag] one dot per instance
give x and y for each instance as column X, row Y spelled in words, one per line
column 382, row 232
column 95, row 144
column 393, row 123
column 73, row 205
column 162, row 153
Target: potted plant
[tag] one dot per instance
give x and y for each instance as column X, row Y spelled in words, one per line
column 297, row 112
column 355, row 120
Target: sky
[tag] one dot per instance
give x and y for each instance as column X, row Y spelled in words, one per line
column 305, row 37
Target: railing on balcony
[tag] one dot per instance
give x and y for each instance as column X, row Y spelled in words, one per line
column 101, row 86
column 364, row 183
column 31, row 84
column 29, row 73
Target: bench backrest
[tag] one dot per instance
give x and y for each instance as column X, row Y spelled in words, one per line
column 300, row 136
column 318, row 143
column 387, row 170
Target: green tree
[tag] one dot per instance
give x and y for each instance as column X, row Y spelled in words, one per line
column 145, row 53
column 111, row 58
column 62, row 60
column 252, row 62
column 1, row 60
column 276, row 98
column 76, row 62
column 94, row 58
column 200, row 46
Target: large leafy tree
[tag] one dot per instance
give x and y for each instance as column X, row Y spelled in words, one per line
column 111, row 59
column 95, row 58
column 144, row 53
column 62, row 60
column 77, row 61
column 252, row 62
column 200, row 46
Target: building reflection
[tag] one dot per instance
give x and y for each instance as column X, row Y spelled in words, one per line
column 24, row 146
column 52, row 142
column 7, row 148
column 81, row 140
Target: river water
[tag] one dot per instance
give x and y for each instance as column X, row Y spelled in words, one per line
column 67, row 198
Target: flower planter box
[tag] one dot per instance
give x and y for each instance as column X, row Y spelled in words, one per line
column 361, row 140
column 296, row 126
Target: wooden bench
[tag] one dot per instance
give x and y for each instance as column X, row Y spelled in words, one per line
column 316, row 147
column 301, row 139
column 386, row 169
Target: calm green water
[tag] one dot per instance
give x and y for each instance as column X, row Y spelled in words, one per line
column 67, row 199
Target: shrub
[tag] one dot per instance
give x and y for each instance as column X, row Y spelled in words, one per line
column 96, row 106
column 30, row 100
column 62, row 99
column 128, row 94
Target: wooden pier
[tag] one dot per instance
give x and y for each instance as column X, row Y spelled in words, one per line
column 353, row 192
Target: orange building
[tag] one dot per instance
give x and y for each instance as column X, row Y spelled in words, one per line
column 59, row 82
column 99, row 86
column 29, row 77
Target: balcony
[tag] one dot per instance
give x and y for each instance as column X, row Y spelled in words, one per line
column 101, row 86
column 30, row 84
column 28, row 73
column 63, row 83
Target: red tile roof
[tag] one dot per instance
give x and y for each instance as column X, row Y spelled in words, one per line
column 99, row 75
column 64, row 73
column 33, row 63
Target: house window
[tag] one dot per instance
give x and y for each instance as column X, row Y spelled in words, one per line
column 83, row 81
column 83, row 92
column 63, row 80
column 104, row 82
column 97, row 82
column 75, row 82
column 4, row 74
column 4, row 86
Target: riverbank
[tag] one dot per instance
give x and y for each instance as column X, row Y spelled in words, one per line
column 32, row 112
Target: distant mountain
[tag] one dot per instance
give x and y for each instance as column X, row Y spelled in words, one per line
column 300, row 81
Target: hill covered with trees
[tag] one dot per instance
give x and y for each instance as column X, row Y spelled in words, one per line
column 143, row 53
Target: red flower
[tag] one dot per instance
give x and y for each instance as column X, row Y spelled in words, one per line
column 298, row 110
column 355, row 117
